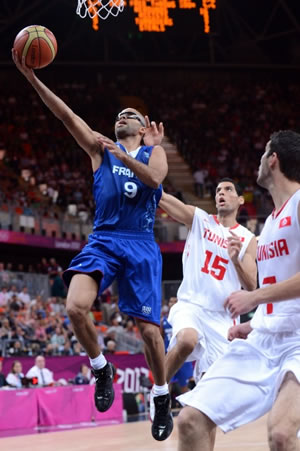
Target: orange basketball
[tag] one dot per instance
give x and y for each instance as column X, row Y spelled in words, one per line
column 37, row 44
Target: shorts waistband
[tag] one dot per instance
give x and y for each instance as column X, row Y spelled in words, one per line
column 125, row 234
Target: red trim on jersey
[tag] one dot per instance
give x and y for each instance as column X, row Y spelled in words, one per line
column 216, row 219
column 274, row 214
column 218, row 222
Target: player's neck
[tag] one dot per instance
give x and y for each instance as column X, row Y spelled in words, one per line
column 227, row 220
column 282, row 191
column 131, row 143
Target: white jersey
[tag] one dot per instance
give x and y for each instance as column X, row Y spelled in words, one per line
column 278, row 258
column 209, row 275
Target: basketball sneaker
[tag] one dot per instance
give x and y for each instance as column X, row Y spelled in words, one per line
column 104, row 390
column 161, row 416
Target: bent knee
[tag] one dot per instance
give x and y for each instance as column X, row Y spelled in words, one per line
column 280, row 438
column 187, row 341
column 149, row 332
column 188, row 422
column 76, row 308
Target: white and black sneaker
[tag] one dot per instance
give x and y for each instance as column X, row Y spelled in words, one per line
column 104, row 390
column 161, row 416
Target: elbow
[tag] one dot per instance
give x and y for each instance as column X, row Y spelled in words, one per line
column 157, row 179
column 155, row 182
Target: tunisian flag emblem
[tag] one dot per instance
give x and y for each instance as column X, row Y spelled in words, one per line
column 285, row 222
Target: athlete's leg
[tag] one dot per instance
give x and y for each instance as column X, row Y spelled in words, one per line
column 186, row 340
column 82, row 293
column 196, row 432
column 154, row 350
column 160, row 401
column 284, row 418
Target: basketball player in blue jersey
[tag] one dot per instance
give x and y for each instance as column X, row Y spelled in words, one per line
column 127, row 189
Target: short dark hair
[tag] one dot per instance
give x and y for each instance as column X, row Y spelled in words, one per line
column 286, row 144
column 235, row 184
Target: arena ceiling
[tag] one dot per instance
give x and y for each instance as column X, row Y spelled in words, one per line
column 248, row 32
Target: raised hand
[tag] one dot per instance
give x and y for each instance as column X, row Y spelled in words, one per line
column 153, row 135
column 234, row 247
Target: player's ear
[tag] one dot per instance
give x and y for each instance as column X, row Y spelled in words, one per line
column 241, row 200
column 142, row 131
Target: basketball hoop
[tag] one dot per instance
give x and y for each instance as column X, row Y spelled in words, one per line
column 99, row 8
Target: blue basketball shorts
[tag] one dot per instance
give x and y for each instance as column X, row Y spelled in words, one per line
column 184, row 374
column 134, row 261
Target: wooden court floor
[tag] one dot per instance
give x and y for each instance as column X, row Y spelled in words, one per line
column 130, row 437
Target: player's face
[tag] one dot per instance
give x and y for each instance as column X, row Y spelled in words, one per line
column 264, row 169
column 128, row 123
column 227, row 199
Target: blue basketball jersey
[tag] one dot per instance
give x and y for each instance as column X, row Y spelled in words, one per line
column 122, row 245
column 123, row 202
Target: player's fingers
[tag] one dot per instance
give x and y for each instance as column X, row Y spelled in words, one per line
column 161, row 128
column 147, row 120
column 154, row 127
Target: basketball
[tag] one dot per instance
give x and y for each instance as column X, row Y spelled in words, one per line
column 37, row 44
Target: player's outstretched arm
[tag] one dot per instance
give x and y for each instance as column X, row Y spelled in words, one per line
column 246, row 268
column 177, row 210
column 83, row 134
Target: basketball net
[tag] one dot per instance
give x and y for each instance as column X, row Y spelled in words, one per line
column 99, row 8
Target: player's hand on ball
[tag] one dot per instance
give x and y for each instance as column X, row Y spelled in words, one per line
column 21, row 65
column 153, row 135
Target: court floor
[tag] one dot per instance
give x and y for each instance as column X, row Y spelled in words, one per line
column 130, row 437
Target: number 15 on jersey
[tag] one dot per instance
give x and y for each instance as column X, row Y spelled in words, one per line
column 215, row 265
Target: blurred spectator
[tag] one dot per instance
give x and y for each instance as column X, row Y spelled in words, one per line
column 39, row 371
column 58, row 288
column 110, row 347
column 4, row 296
column 199, row 177
column 24, row 296
column 78, row 349
column 58, row 340
column 43, row 266
column 16, row 350
column 84, row 375
column 15, row 376
column 3, row 382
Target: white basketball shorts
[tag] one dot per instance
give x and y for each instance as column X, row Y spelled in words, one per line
column 243, row 384
column 212, row 328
